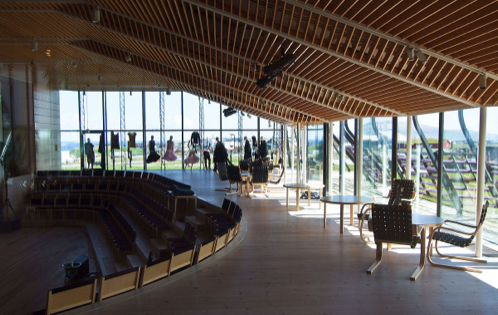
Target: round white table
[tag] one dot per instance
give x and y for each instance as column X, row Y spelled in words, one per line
column 297, row 187
column 343, row 200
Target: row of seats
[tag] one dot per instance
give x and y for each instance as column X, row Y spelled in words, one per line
column 155, row 178
column 143, row 214
column 115, row 234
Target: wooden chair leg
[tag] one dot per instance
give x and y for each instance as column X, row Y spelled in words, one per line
column 378, row 259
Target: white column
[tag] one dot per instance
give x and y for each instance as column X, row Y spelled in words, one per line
column 284, row 154
column 292, row 154
column 298, row 156
column 481, row 168
column 359, row 156
column 304, row 155
column 331, row 157
column 408, row 147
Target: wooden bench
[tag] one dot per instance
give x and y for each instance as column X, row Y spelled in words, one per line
column 64, row 298
column 119, row 282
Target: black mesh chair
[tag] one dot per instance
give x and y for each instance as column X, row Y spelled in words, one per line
column 221, row 169
column 260, row 177
column 458, row 238
column 402, row 192
column 392, row 225
column 234, row 177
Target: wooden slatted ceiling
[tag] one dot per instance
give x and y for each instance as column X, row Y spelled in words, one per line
column 351, row 55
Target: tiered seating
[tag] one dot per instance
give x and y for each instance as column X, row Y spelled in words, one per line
column 116, row 234
column 151, row 222
column 67, row 194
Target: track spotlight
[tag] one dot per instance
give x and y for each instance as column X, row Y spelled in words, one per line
column 96, row 15
column 229, row 111
column 249, row 115
column 100, row 78
column 410, row 53
column 421, row 56
column 128, row 57
column 482, row 82
column 34, row 45
column 168, row 91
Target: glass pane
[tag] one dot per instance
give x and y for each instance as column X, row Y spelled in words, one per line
column 211, row 116
column 490, row 231
column 133, row 110
column 92, row 141
column 459, row 164
column 173, row 110
column 377, row 152
column 152, row 111
column 191, row 110
column 93, row 115
column 250, row 122
column 315, row 154
column 70, row 150
column 112, row 104
column 69, row 112
column 424, row 171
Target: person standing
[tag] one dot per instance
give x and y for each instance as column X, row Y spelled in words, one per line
column 207, row 157
column 90, row 155
column 263, row 152
column 247, row 150
column 153, row 156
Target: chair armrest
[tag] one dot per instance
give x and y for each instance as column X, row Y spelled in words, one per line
column 460, row 223
column 439, row 228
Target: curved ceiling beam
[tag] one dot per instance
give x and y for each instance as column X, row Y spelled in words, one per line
column 388, row 37
column 329, row 52
column 152, row 66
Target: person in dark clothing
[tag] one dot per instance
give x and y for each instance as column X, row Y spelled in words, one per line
column 220, row 154
column 247, row 150
column 207, row 157
column 263, row 152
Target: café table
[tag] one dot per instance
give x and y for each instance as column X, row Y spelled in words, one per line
column 420, row 222
column 343, row 200
column 297, row 187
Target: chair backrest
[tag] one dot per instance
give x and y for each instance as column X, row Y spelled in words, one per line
column 484, row 211
column 226, row 204
column 234, row 173
column 260, row 174
column 222, row 170
column 244, row 166
column 393, row 224
column 277, row 181
column 401, row 189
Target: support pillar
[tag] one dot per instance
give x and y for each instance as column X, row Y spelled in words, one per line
column 481, row 169
column 298, row 168
column 409, row 147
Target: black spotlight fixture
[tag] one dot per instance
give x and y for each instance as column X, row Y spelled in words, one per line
column 229, row 111
column 275, row 69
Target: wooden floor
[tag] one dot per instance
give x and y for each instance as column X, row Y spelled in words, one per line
column 287, row 263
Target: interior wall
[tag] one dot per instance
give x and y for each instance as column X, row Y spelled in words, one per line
column 46, row 124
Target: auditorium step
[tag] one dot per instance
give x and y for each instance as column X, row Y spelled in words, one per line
column 160, row 247
column 102, row 249
column 198, row 223
column 142, row 243
column 134, row 261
